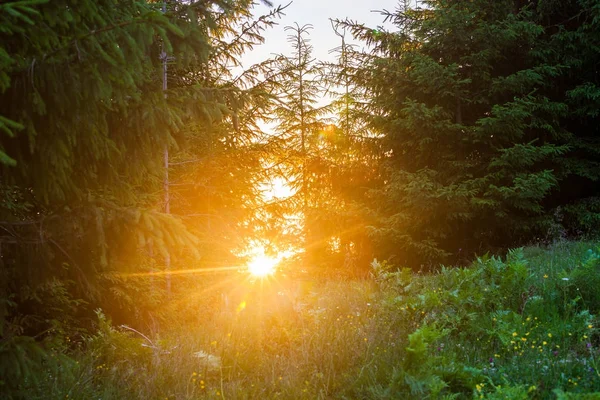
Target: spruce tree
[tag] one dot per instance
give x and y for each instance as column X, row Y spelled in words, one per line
column 299, row 124
column 84, row 123
column 476, row 148
column 348, row 159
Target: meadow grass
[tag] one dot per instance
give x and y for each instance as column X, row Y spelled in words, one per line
column 524, row 326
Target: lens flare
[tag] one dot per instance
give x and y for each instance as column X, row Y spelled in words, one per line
column 262, row 265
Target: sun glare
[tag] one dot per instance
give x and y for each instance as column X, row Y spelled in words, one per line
column 262, row 265
column 278, row 188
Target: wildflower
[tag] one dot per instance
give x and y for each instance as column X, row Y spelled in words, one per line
column 545, row 276
column 515, row 334
column 544, row 343
column 565, row 279
column 590, row 326
column 549, row 335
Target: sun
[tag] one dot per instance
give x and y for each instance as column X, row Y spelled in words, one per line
column 277, row 188
column 262, row 265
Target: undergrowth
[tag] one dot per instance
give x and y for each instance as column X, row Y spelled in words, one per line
column 524, row 326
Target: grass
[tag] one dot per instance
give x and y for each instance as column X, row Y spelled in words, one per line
column 525, row 326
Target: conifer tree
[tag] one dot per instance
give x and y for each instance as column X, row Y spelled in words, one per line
column 299, row 124
column 84, row 122
column 348, row 158
column 476, row 149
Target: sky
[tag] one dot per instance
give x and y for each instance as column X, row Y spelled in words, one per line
column 317, row 13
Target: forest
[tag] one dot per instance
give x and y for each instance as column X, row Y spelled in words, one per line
column 417, row 217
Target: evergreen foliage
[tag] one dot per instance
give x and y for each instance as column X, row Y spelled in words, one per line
column 473, row 126
column 300, row 122
column 480, row 105
column 352, row 151
column 85, row 122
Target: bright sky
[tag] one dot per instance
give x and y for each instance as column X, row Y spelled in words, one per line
column 317, row 13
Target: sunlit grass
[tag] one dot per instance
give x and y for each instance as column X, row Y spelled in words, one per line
column 499, row 329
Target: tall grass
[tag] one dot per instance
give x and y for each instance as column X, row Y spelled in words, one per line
column 525, row 326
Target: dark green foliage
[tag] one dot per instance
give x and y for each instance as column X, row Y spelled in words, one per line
column 584, row 282
column 513, row 328
column 489, row 121
column 84, row 124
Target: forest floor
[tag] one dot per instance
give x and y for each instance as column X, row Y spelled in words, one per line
column 522, row 326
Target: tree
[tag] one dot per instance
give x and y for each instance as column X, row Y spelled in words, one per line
column 84, row 123
column 217, row 166
column 348, row 157
column 476, row 149
column 299, row 124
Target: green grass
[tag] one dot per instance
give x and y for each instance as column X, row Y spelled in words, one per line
column 525, row 326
